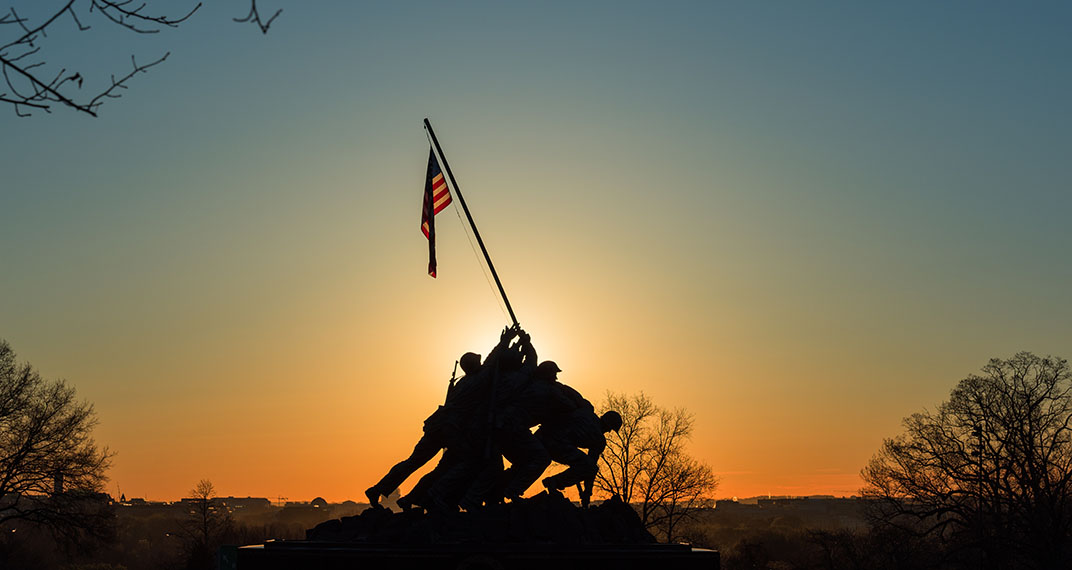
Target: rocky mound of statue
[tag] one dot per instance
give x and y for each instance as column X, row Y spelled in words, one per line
column 544, row 518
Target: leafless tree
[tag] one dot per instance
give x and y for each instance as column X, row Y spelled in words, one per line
column 207, row 525
column 622, row 462
column 989, row 472
column 31, row 83
column 686, row 486
column 51, row 471
column 647, row 464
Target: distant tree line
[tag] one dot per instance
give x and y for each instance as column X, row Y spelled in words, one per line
column 183, row 536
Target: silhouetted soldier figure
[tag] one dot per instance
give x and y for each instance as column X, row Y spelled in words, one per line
column 445, row 427
column 563, row 437
column 473, row 456
column 538, row 401
column 469, row 479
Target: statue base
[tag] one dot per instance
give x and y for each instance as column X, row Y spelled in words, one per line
column 288, row 555
column 545, row 531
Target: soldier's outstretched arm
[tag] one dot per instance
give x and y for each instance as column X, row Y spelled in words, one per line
column 527, row 350
column 597, row 449
column 508, row 334
column 593, row 454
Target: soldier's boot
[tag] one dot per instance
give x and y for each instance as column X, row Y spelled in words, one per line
column 373, row 495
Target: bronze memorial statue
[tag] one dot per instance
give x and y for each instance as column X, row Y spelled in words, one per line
column 488, row 416
column 469, row 512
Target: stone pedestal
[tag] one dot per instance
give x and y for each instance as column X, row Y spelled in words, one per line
column 545, row 532
column 338, row 556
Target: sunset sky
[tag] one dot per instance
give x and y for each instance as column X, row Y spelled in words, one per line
column 801, row 221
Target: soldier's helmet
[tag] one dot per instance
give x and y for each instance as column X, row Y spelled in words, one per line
column 612, row 420
column 547, row 369
column 470, row 362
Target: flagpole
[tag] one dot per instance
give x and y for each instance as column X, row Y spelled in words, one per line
column 458, row 191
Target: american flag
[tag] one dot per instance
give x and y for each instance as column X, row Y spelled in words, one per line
column 436, row 197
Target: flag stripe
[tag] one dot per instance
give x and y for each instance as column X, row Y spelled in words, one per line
column 440, row 193
column 436, row 197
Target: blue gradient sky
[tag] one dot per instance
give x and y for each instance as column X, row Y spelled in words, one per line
column 801, row 221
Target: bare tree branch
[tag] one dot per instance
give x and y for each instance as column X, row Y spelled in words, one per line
column 28, row 87
column 255, row 17
column 130, row 19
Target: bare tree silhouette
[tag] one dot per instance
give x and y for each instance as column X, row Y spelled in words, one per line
column 51, row 470
column 646, row 463
column 31, row 83
column 989, row 472
column 207, row 525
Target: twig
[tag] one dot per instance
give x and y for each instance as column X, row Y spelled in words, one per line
column 96, row 101
column 31, row 87
column 118, row 13
column 255, row 17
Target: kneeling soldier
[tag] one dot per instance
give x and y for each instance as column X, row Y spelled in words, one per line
column 582, row 428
